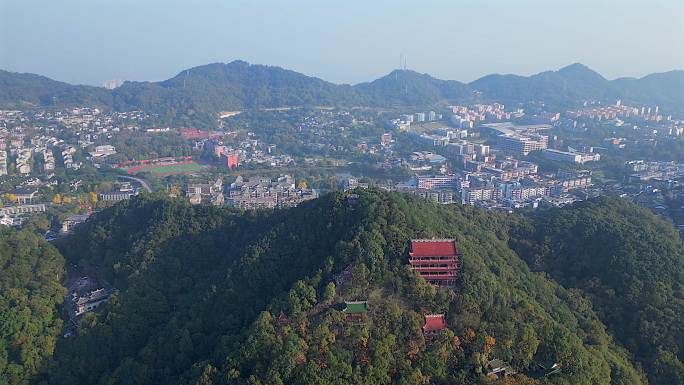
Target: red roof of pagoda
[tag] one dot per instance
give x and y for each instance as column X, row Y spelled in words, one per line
column 434, row 322
column 440, row 247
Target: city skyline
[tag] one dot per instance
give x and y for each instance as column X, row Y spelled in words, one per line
column 342, row 44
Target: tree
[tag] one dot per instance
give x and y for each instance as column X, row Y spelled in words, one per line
column 11, row 197
column 329, row 293
column 30, row 292
column 202, row 285
column 93, row 198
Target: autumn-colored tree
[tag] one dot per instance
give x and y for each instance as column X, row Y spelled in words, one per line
column 469, row 335
column 303, row 184
column 11, row 197
column 57, row 199
column 489, row 344
column 174, row 191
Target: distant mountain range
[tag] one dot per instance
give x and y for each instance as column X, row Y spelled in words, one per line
column 240, row 85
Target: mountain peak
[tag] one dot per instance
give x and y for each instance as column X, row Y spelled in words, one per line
column 577, row 66
column 579, row 70
column 405, row 73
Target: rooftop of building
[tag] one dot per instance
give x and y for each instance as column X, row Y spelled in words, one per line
column 433, row 247
column 434, row 322
column 356, row 307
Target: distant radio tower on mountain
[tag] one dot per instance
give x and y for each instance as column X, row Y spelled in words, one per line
column 111, row 84
column 402, row 67
column 402, row 62
column 396, row 73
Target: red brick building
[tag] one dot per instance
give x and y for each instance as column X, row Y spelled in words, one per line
column 436, row 260
column 232, row 161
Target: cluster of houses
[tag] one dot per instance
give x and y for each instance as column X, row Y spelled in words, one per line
column 260, row 193
column 24, row 156
column 14, row 216
column 209, row 193
column 256, row 193
column 68, row 152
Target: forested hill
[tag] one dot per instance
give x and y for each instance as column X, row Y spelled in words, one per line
column 628, row 262
column 30, row 292
column 18, row 90
column 207, row 89
column 201, row 289
column 215, row 296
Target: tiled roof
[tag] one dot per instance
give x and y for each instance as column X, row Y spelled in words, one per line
column 355, row 307
column 434, row 322
column 428, row 247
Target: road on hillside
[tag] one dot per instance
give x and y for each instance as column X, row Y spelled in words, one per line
column 142, row 182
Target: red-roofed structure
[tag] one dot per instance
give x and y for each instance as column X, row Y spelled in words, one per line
column 436, row 260
column 434, row 323
column 232, row 161
column 282, row 318
column 433, row 248
column 189, row 133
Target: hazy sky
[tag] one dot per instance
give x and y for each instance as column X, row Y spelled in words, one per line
column 344, row 41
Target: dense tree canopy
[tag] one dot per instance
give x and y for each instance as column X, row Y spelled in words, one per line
column 30, row 289
column 629, row 263
column 202, row 288
column 216, row 296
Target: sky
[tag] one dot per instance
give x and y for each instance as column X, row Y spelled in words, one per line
column 345, row 41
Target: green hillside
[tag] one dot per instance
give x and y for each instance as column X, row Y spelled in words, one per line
column 216, row 296
column 629, row 263
column 201, row 289
column 30, row 292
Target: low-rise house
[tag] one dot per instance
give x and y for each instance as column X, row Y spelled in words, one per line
column 72, row 221
column 103, row 151
column 211, row 193
column 24, row 195
column 91, row 301
column 124, row 192
column 499, row 368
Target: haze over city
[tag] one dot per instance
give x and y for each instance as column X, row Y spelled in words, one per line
column 87, row 42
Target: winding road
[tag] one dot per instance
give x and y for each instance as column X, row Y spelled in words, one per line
column 142, row 182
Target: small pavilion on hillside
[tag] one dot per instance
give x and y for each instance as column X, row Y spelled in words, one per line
column 355, row 310
column 282, row 319
column 434, row 324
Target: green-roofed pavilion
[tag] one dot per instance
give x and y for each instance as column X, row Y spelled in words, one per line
column 356, row 307
column 355, row 310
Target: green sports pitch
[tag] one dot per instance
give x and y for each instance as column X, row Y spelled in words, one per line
column 168, row 169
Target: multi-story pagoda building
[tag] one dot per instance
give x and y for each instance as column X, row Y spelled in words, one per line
column 436, row 260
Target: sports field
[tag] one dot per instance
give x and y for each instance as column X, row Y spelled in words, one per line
column 166, row 169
